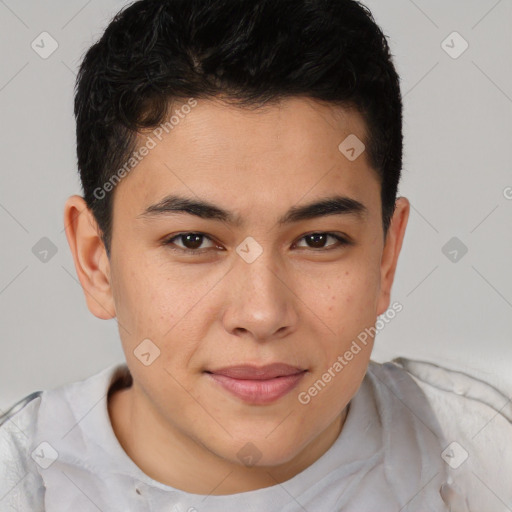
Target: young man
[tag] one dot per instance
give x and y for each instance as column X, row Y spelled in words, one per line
column 240, row 220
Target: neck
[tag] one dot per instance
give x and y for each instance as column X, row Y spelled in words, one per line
column 169, row 456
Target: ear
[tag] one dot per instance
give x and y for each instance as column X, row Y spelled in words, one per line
column 391, row 251
column 90, row 257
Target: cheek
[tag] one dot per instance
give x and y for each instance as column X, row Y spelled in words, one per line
column 142, row 307
column 349, row 309
column 160, row 304
column 149, row 298
column 353, row 295
column 137, row 299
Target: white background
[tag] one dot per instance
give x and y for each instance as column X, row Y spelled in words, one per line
column 457, row 167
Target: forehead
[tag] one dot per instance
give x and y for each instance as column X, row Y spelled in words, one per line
column 296, row 125
column 232, row 155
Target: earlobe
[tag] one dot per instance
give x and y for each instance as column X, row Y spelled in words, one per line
column 391, row 251
column 90, row 257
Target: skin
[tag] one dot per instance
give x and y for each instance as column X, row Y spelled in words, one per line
column 298, row 303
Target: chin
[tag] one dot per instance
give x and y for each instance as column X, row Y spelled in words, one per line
column 257, row 451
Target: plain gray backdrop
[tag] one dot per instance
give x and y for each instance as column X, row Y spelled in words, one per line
column 457, row 305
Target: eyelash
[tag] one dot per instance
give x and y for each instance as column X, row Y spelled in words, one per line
column 168, row 242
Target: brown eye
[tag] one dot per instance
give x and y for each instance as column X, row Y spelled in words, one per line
column 190, row 242
column 319, row 240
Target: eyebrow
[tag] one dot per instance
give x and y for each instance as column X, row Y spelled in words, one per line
column 333, row 205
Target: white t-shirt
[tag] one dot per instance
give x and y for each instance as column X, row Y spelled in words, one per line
column 417, row 437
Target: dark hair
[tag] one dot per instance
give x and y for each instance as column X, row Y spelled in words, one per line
column 250, row 52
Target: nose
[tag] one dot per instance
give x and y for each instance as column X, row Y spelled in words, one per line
column 261, row 303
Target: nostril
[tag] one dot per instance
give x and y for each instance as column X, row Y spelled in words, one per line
column 137, row 491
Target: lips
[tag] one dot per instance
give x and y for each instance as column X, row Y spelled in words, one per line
column 258, row 385
column 270, row 371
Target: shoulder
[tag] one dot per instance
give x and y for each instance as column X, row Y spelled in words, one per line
column 21, row 487
column 452, row 391
column 27, row 427
column 476, row 421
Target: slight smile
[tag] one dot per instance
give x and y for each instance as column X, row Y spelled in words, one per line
column 258, row 385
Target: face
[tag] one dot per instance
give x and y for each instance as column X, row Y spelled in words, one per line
column 259, row 276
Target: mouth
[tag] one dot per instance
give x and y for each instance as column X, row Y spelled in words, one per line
column 258, row 385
